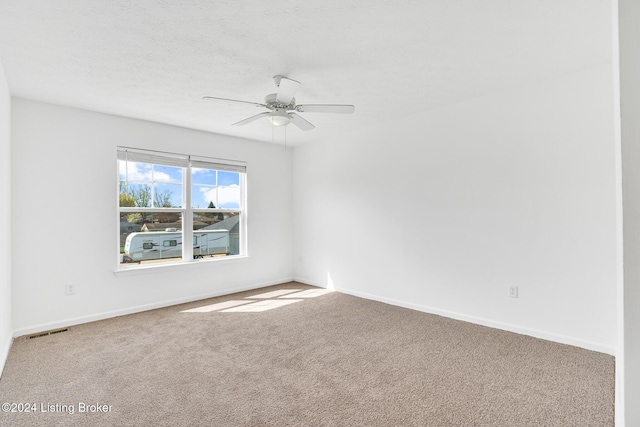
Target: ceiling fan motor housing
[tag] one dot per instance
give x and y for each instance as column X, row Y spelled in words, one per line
column 273, row 104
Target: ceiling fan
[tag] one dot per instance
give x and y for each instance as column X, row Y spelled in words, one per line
column 283, row 106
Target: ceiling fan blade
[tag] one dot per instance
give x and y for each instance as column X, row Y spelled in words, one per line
column 251, row 119
column 300, row 122
column 234, row 100
column 326, row 108
column 286, row 90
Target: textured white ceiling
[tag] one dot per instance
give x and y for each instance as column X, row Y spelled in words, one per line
column 155, row 59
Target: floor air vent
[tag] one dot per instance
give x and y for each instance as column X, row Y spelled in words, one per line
column 44, row 334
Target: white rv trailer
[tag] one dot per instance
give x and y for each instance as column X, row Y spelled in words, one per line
column 168, row 244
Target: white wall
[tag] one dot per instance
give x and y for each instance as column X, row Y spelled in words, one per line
column 5, row 219
column 64, row 216
column 629, row 35
column 442, row 210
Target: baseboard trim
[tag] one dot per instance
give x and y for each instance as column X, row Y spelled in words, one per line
column 309, row 282
column 4, row 351
column 562, row 339
column 418, row 307
column 140, row 308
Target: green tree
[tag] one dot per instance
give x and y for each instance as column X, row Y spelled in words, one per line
column 139, row 196
column 127, row 200
column 163, row 199
column 142, row 196
column 218, row 215
column 134, row 217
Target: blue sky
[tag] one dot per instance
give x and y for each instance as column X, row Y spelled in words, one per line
column 220, row 187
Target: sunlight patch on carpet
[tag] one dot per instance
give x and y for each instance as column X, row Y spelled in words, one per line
column 266, row 301
column 309, row 293
column 260, row 306
column 218, row 306
column 274, row 294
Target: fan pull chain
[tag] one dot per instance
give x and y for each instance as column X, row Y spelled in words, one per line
column 273, row 138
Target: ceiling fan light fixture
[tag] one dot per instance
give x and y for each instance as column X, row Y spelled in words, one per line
column 279, row 118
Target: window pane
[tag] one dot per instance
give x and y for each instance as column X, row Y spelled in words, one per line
column 228, row 178
column 203, row 190
column 228, row 190
column 167, row 195
column 147, row 185
column 217, row 233
column 137, row 195
column 167, row 174
column 142, row 237
column 122, row 170
column 134, row 172
column 203, row 176
column 229, row 197
column 217, row 189
column 203, row 197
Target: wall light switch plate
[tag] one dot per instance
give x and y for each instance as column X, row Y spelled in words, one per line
column 513, row 291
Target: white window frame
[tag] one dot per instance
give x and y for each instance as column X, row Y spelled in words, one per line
column 186, row 162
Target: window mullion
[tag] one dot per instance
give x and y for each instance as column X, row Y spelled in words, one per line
column 134, row 209
column 153, row 186
column 187, row 216
column 217, row 188
column 243, row 216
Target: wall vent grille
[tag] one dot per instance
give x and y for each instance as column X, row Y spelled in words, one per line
column 44, row 334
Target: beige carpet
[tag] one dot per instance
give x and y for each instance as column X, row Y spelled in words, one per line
column 321, row 359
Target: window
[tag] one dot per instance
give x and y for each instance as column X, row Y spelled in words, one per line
column 165, row 199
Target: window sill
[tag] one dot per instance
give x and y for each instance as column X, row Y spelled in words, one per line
column 149, row 269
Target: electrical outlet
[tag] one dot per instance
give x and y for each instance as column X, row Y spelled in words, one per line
column 69, row 289
column 513, row 291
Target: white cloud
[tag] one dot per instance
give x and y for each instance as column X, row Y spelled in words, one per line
column 203, row 171
column 140, row 172
column 227, row 195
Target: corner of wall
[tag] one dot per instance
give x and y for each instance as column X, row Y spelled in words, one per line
column 6, row 323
